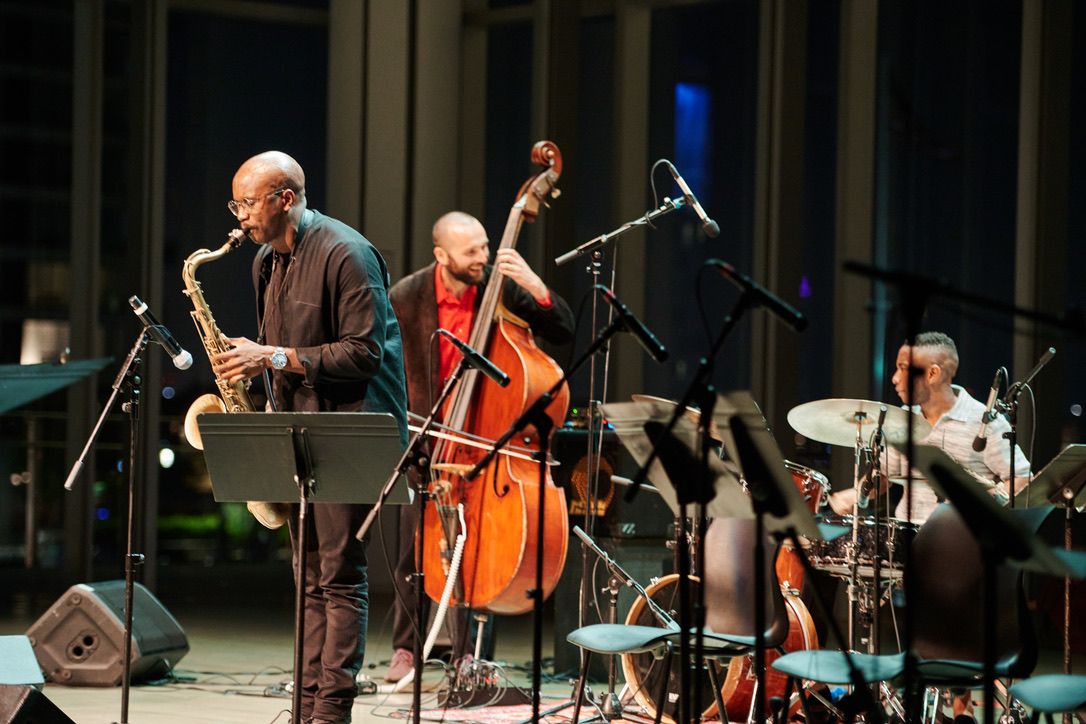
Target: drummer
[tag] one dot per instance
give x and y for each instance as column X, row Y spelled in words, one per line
column 955, row 418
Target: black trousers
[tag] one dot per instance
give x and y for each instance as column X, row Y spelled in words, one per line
column 336, row 608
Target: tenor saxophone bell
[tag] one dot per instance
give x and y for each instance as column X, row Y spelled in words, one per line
column 204, row 403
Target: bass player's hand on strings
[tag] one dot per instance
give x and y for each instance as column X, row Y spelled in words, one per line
column 510, row 263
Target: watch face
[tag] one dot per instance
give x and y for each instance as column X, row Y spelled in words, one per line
column 279, row 359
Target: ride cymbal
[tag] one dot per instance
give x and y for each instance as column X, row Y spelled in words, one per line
column 839, row 421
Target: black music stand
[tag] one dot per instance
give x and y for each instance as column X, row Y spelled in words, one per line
column 300, row 457
column 630, row 420
column 1002, row 540
column 773, row 501
column 1061, row 483
column 20, row 384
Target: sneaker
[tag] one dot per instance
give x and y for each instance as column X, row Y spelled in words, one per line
column 403, row 660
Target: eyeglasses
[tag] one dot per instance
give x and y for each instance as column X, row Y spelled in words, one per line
column 236, row 206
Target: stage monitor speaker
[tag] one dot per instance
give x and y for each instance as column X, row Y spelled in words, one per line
column 18, row 665
column 27, row 705
column 647, row 517
column 79, row 641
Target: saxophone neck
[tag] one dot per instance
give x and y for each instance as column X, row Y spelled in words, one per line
column 236, row 238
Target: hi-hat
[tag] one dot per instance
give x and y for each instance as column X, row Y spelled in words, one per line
column 838, row 421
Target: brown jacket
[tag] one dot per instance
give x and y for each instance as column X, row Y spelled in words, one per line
column 414, row 300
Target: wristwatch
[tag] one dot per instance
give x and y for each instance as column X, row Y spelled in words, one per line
column 279, row 359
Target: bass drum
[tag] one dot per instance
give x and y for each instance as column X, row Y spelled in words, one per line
column 737, row 691
column 643, row 671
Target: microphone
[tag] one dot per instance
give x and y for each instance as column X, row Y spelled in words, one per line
column 981, row 441
column 707, row 225
column 182, row 360
column 868, row 483
column 634, row 326
column 476, row 360
column 878, row 428
column 780, row 308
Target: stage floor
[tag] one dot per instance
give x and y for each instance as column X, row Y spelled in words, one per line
column 238, row 620
column 240, row 635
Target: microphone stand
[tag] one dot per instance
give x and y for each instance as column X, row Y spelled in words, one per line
column 129, row 373
column 611, row 707
column 1009, row 404
column 602, row 240
column 700, row 389
column 536, row 415
column 414, row 455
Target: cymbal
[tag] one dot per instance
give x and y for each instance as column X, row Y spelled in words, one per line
column 836, row 421
column 692, row 413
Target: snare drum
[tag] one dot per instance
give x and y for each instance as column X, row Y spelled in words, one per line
column 894, row 539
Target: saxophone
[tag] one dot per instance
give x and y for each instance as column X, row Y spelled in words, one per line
column 232, row 397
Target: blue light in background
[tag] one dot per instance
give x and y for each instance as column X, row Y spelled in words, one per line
column 804, row 288
column 103, row 514
column 693, row 106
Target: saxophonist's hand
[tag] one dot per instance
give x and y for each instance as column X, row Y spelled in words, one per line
column 246, row 360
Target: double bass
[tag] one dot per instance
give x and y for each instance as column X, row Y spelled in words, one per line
column 500, row 506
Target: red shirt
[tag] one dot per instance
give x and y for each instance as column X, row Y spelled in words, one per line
column 454, row 315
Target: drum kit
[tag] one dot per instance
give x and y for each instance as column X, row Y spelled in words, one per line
column 871, row 557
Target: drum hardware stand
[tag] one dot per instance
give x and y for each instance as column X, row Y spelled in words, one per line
column 611, row 707
column 866, row 700
column 862, row 604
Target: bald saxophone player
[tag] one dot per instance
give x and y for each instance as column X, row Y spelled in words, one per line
column 329, row 338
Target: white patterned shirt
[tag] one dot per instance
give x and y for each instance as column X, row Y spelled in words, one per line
column 954, row 432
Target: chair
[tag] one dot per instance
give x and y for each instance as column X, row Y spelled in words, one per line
column 948, row 617
column 729, row 631
column 1052, row 693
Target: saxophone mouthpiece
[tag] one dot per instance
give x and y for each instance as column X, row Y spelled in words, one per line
column 238, row 237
